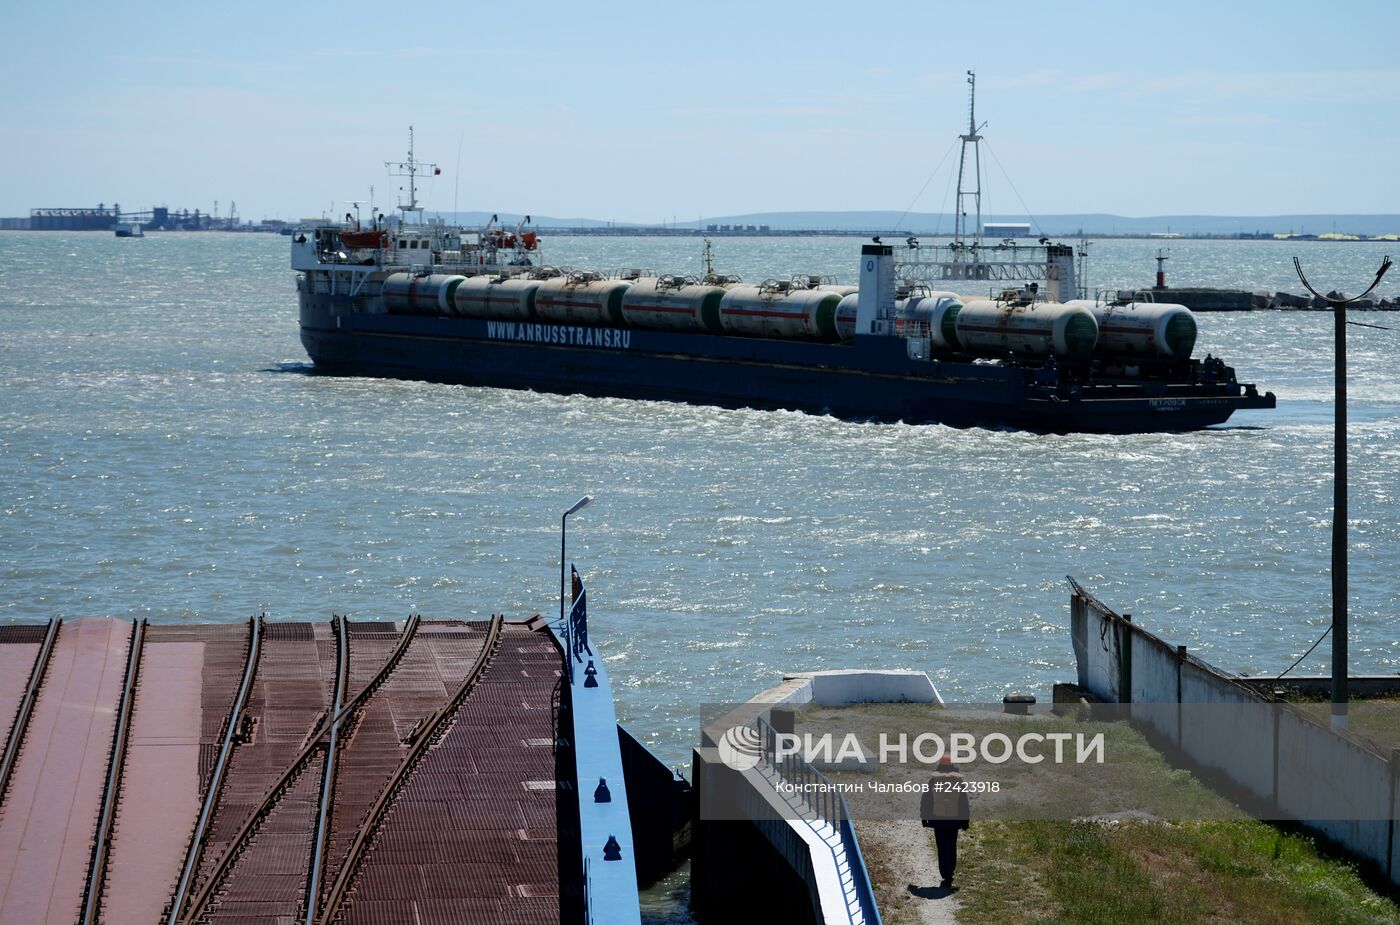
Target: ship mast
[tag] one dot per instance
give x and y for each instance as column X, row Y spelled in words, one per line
column 972, row 138
column 968, row 258
column 410, row 168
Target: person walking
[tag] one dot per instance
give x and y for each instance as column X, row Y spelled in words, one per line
column 944, row 808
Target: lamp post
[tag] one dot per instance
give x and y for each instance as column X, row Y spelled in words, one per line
column 1341, row 695
column 579, row 505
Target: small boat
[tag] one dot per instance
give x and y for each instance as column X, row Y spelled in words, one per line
column 129, row 230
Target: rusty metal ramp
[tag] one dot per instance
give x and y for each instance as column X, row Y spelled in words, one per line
column 344, row 771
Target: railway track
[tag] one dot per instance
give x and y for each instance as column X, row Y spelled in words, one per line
column 63, row 770
column 182, row 774
column 339, row 716
column 111, row 791
column 20, row 723
column 427, row 732
column 322, row 744
column 218, row 772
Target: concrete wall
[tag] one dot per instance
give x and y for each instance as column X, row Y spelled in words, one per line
column 749, row 865
column 790, row 851
column 1394, row 829
column 843, row 687
column 1227, row 727
column 1096, row 649
column 1339, row 787
column 836, row 688
column 724, row 881
column 1297, row 768
column 1153, row 680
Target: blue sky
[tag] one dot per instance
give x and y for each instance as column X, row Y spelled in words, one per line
column 644, row 111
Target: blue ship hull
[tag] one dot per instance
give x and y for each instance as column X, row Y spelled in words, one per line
column 873, row 378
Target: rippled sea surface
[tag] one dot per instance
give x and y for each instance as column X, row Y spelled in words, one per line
column 164, row 452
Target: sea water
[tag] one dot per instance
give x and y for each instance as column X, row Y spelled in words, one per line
column 166, row 453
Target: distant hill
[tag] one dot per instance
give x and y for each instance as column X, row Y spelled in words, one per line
column 930, row 222
column 544, row 221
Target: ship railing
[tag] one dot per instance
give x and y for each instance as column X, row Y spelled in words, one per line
column 1124, row 296
column 819, row 804
column 674, row 281
column 909, row 328
column 1004, row 251
column 951, row 262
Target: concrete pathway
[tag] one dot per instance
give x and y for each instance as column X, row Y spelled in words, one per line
column 914, row 870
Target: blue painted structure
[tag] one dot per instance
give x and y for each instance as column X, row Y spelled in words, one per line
column 609, row 876
column 869, row 378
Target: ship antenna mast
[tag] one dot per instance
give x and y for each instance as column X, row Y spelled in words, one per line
column 974, row 139
column 410, row 168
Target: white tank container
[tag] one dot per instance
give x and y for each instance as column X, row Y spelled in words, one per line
column 803, row 313
column 838, row 289
column 846, row 316
column 597, row 301
column 938, row 310
column 496, row 297
column 1143, row 329
column 406, row 294
column 1039, row 329
column 689, row 307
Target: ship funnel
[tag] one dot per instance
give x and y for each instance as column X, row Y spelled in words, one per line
column 875, row 308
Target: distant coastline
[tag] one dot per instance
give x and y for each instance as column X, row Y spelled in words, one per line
column 930, row 224
column 1320, row 227
column 893, row 236
column 897, row 236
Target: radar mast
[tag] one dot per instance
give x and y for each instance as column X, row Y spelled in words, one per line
column 411, row 168
column 974, row 139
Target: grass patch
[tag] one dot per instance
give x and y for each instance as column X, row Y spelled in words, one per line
column 1133, row 777
column 1135, row 871
column 1161, row 846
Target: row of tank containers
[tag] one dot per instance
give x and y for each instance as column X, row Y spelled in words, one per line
column 805, row 308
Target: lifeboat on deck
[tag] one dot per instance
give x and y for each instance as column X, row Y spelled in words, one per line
column 364, row 238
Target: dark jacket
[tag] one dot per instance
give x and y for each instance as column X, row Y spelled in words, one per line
column 947, row 808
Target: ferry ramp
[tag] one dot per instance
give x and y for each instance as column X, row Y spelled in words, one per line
column 341, row 771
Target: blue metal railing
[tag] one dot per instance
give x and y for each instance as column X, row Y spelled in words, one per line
column 816, row 791
column 587, row 892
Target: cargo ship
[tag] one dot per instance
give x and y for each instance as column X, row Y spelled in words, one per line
column 912, row 342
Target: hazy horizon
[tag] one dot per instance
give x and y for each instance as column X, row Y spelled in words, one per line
column 647, row 114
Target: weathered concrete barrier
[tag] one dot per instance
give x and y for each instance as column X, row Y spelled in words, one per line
column 1292, row 764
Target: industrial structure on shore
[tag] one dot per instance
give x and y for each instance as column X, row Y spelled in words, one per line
column 102, row 217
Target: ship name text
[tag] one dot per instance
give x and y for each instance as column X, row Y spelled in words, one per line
column 561, row 334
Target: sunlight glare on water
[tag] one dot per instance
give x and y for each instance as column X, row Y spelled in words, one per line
column 166, row 454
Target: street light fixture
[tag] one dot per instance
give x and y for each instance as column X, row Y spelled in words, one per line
column 1341, row 694
column 579, row 505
